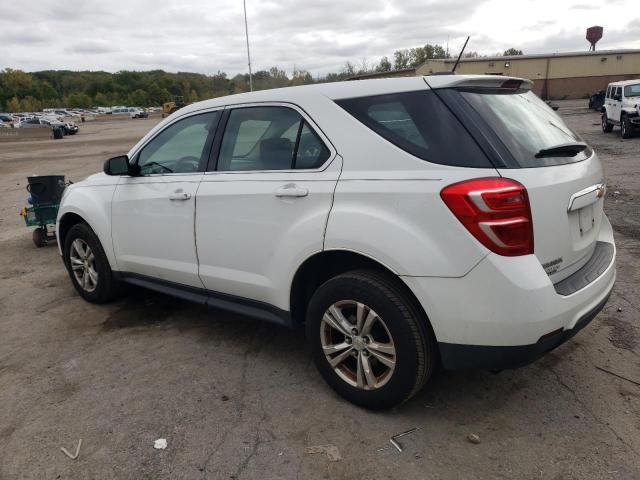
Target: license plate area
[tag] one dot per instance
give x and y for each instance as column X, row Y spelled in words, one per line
column 586, row 219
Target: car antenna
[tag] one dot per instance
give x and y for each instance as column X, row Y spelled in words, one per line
column 460, row 56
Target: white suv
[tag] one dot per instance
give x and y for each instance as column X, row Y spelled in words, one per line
column 407, row 223
column 622, row 107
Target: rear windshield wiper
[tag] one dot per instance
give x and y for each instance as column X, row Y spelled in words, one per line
column 562, row 150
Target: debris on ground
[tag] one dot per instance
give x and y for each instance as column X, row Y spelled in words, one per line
column 72, row 457
column 332, row 452
column 473, row 438
column 619, row 309
column 160, row 444
column 394, row 440
column 617, row 375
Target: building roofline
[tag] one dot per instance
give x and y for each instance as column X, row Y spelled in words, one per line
column 537, row 55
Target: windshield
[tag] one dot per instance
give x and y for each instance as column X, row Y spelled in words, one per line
column 632, row 90
column 526, row 125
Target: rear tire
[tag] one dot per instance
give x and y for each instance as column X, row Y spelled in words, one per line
column 625, row 127
column 607, row 127
column 386, row 351
column 88, row 266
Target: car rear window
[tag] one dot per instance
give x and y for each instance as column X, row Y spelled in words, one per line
column 419, row 123
column 526, row 125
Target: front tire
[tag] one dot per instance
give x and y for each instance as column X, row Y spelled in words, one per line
column 88, row 266
column 369, row 340
column 625, row 127
column 607, row 126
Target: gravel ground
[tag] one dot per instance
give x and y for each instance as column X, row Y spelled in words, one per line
column 237, row 399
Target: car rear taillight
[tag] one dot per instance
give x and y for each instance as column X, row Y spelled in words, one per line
column 496, row 211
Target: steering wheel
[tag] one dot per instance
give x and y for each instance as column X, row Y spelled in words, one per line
column 187, row 164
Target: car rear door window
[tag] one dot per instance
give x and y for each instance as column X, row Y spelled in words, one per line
column 419, row 123
column 269, row 138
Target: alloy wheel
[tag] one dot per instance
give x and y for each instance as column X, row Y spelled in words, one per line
column 83, row 265
column 358, row 345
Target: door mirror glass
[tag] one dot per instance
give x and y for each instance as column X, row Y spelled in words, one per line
column 117, row 166
column 617, row 98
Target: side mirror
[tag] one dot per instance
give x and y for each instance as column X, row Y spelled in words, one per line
column 118, row 166
column 617, row 98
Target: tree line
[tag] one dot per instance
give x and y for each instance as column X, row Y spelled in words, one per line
column 29, row 92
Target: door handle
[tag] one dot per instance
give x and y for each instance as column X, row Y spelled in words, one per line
column 179, row 196
column 291, row 190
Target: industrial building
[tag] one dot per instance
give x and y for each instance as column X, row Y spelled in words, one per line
column 556, row 76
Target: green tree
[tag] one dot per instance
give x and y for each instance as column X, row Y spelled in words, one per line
column 30, row 104
column 384, row 65
column 512, row 52
column 101, row 100
column 348, row 69
column 13, row 105
column 17, row 82
column 138, row 98
column 401, row 59
column 78, row 100
column 301, row 77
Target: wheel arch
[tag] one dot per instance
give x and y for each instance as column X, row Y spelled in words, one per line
column 322, row 266
column 65, row 223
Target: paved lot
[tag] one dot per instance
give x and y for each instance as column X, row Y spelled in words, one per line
column 239, row 399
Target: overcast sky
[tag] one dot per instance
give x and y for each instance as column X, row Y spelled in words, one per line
column 317, row 35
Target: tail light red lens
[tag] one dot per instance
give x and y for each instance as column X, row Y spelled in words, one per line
column 496, row 211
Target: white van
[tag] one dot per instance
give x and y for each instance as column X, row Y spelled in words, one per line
column 622, row 107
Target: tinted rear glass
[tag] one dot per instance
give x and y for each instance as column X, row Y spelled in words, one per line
column 420, row 124
column 526, row 125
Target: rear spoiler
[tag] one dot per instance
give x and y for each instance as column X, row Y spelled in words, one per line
column 478, row 81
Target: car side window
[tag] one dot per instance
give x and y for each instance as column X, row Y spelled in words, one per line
column 269, row 138
column 180, row 147
column 420, row 124
column 608, row 94
column 311, row 152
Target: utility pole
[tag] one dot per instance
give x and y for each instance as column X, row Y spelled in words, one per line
column 246, row 31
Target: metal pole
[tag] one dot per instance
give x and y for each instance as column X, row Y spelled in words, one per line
column 246, row 31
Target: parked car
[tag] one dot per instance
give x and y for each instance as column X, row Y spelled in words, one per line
column 70, row 128
column 135, row 112
column 596, row 101
column 404, row 222
column 35, row 122
column 622, row 107
column 5, row 118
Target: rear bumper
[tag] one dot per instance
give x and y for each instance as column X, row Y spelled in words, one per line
column 506, row 312
column 465, row 357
